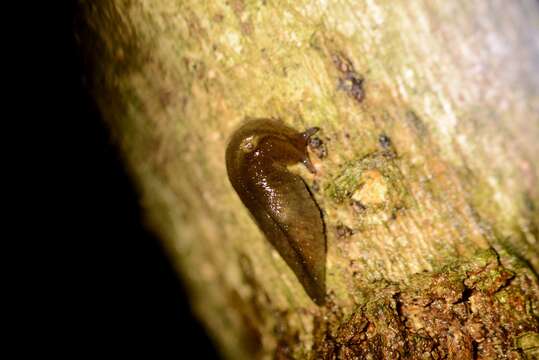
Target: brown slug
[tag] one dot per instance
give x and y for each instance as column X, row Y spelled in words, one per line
column 257, row 157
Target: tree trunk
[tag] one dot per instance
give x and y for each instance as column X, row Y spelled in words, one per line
column 426, row 158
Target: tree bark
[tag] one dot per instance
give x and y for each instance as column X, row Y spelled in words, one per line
column 427, row 172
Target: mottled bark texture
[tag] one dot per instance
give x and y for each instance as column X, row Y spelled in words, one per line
column 427, row 171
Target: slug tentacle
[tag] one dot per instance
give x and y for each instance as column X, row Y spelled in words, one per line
column 257, row 157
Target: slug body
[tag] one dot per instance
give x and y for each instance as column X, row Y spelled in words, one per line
column 257, row 157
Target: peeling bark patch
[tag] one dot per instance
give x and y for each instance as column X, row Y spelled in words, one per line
column 373, row 170
column 473, row 310
column 372, row 186
column 373, row 189
column 349, row 81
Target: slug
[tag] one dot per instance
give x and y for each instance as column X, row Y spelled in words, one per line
column 280, row 202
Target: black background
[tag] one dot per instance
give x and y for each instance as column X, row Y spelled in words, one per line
column 120, row 293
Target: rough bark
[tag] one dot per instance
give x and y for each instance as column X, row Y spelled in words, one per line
column 427, row 165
